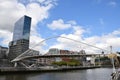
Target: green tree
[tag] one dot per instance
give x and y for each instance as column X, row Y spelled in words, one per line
column 72, row 62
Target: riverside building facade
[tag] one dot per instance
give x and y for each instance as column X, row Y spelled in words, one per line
column 3, row 52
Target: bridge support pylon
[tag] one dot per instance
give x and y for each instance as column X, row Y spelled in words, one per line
column 15, row 64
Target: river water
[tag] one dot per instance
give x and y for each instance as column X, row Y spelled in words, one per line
column 89, row 74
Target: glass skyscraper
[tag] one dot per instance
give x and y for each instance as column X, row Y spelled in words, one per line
column 22, row 28
column 21, row 36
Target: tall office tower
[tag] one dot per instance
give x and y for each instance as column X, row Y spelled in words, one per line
column 21, row 36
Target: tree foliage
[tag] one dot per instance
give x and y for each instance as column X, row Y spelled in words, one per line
column 72, row 62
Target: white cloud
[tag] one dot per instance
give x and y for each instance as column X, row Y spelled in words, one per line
column 102, row 42
column 72, row 22
column 60, row 24
column 112, row 39
column 105, row 41
column 112, row 3
column 37, row 44
column 37, row 12
column 41, row 1
column 12, row 10
column 78, row 30
column 66, row 43
column 6, row 36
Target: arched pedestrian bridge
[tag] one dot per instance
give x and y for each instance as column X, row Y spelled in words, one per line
column 27, row 54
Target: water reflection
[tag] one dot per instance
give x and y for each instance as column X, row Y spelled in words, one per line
column 90, row 74
column 15, row 77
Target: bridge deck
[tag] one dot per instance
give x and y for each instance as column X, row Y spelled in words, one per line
column 57, row 55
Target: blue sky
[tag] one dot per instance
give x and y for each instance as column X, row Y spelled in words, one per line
column 99, row 17
column 96, row 22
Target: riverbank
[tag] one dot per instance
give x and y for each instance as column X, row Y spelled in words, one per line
column 8, row 70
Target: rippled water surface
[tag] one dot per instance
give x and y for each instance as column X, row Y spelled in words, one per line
column 89, row 74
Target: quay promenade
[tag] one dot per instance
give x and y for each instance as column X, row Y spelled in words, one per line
column 43, row 69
